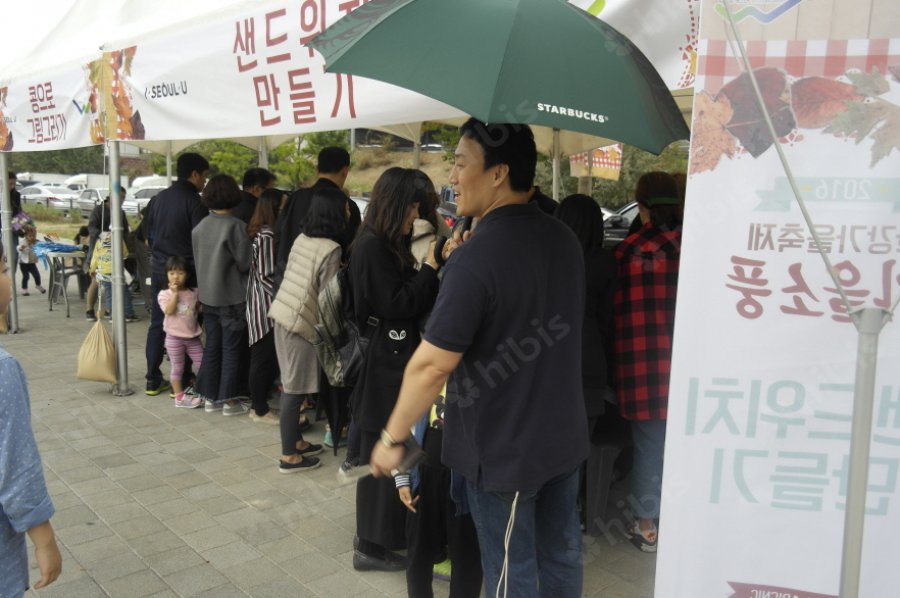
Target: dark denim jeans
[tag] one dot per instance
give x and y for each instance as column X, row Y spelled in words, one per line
column 156, row 336
column 217, row 379
column 545, row 544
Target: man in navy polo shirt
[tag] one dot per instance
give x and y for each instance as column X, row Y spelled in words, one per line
column 506, row 331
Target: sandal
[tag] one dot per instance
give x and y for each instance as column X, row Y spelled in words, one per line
column 643, row 539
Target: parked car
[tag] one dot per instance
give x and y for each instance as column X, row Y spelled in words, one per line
column 143, row 196
column 90, row 198
column 362, row 203
column 57, row 198
column 616, row 226
column 447, row 207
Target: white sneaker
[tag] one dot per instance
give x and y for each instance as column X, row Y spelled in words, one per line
column 271, row 417
column 209, row 406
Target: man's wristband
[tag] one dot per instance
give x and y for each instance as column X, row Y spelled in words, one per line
column 388, row 440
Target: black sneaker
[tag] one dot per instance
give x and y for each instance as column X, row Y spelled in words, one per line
column 90, row 315
column 305, row 465
column 309, row 451
column 155, row 388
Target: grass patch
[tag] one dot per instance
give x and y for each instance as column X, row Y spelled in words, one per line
column 41, row 213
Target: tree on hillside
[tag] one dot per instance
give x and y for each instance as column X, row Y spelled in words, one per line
column 292, row 165
column 69, row 161
column 225, row 157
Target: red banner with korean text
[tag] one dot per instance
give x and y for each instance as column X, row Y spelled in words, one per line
column 249, row 74
column 763, row 370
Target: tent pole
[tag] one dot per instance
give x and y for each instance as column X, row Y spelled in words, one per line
column 869, row 322
column 556, row 152
column 417, row 155
column 168, row 163
column 263, row 153
column 9, row 242
column 119, row 288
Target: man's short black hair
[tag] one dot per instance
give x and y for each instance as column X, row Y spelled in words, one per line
column 332, row 160
column 257, row 177
column 190, row 162
column 12, row 176
column 508, row 144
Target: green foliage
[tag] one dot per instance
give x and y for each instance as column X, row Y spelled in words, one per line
column 44, row 214
column 69, row 161
column 291, row 165
column 312, row 143
column 446, row 135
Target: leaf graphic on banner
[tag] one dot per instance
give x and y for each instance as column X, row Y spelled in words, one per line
column 748, row 124
column 137, row 126
column 887, row 137
column 817, row 100
column 879, row 119
column 710, row 139
column 129, row 57
column 871, row 84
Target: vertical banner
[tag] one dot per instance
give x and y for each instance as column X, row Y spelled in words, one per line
column 44, row 112
column 764, row 358
column 665, row 31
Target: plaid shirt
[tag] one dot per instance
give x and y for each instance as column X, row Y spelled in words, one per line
column 644, row 320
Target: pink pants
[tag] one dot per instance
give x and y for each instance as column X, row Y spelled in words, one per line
column 176, row 347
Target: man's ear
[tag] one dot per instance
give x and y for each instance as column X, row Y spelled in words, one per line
column 501, row 173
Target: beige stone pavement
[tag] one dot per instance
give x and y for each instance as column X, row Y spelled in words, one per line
column 157, row 501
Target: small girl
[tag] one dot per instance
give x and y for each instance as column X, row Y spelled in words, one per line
column 28, row 260
column 179, row 304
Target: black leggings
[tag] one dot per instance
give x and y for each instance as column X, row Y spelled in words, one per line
column 31, row 269
column 289, row 422
column 263, row 372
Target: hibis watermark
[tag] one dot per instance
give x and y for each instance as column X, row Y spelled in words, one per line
column 512, row 355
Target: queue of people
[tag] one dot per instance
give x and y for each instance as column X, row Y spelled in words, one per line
column 479, row 341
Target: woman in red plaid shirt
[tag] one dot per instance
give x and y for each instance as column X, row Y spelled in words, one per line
column 644, row 320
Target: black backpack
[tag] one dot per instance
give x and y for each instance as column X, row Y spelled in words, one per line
column 341, row 345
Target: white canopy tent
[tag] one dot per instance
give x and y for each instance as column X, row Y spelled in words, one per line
column 164, row 74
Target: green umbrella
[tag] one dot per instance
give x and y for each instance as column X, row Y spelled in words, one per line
column 540, row 62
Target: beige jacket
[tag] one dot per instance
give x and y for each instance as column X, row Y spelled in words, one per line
column 311, row 264
column 422, row 235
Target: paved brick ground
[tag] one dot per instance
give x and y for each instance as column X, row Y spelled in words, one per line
column 157, row 501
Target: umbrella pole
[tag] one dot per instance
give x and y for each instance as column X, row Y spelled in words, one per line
column 869, row 322
column 555, row 151
column 9, row 243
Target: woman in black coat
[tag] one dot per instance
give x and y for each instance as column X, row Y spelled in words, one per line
column 582, row 214
column 390, row 297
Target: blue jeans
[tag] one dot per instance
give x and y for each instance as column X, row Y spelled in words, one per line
column 225, row 326
column 107, row 298
column 545, row 545
column 646, row 485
